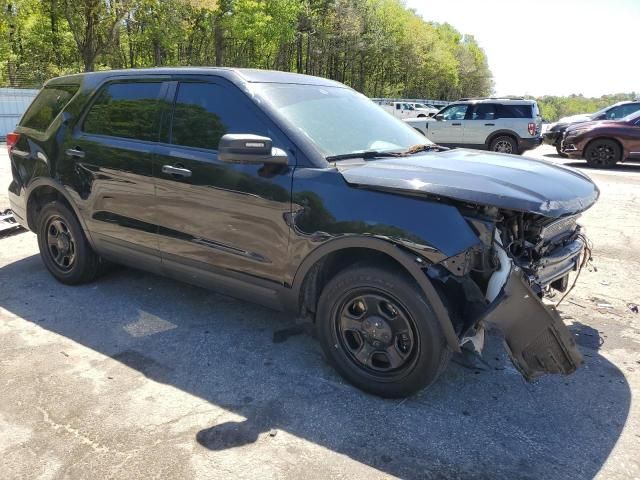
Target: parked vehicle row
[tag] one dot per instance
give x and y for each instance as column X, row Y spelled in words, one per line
column 505, row 125
column 555, row 131
column 300, row 194
column 409, row 109
column 604, row 143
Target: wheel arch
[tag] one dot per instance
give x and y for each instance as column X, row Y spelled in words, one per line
column 332, row 257
column 501, row 133
column 46, row 190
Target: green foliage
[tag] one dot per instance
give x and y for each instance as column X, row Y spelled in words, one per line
column 554, row 108
column 377, row 46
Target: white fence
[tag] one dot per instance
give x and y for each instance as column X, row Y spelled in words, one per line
column 13, row 103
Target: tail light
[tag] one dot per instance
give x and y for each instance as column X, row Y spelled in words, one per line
column 532, row 128
column 12, row 139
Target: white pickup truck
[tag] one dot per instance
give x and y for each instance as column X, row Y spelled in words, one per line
column 409, row 109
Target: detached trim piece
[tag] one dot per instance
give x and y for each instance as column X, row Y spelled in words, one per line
column 535, row 337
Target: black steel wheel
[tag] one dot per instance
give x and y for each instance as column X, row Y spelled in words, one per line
column 504, row 144
column 377, row 329
column 64, row 248
column 60, row 243
column 602, row 153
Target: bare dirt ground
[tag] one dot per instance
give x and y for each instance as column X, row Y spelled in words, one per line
column 139, row 376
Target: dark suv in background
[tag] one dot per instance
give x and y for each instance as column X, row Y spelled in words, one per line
column 605, row 143
column 554, row 133
column 300, row 194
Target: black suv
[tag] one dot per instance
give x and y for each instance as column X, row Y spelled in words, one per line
column 299, row 193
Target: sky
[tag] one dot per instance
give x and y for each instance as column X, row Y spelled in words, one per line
column 550, row 47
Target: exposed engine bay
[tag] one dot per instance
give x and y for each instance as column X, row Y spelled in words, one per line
column 524, row 257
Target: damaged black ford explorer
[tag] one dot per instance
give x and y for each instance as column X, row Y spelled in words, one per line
column 300, row 194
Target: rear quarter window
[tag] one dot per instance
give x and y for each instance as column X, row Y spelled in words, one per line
column 515, row 111
column 47, row 105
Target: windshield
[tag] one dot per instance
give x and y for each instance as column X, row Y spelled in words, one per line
column 338, row 120
column 599, row 113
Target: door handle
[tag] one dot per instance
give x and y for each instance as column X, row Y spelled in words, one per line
column 75, row 152
column 456, row 124
column 489, row 124
column 177, row 171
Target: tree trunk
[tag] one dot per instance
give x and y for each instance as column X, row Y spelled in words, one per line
column 218, row 36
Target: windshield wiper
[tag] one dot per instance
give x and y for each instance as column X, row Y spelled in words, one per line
column 369, row 154
column 366, row 155
column 426, row 147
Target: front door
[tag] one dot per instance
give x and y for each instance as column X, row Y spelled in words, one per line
column 227, row 221
column 450, row 129
column 113, row 147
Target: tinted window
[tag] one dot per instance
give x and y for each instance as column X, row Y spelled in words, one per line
column 514, row 111
column 204, row 112
column 128, row 110
column 484, row 111
column 47, row 105
column 630, row 108
column 455, row 112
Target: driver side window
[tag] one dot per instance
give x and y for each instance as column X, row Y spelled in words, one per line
column 455, row 112
column 615, row 113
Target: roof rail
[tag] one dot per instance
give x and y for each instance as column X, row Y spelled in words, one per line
column 507, row 97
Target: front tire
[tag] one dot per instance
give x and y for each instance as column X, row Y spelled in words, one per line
column 603, row 153
column 560, row 152
column 379, row 332
column 64, row 248
column 504, row 144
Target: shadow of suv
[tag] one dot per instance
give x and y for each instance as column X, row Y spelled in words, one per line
column 300, row 194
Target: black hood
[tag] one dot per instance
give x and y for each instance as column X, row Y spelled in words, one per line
column 505, row 181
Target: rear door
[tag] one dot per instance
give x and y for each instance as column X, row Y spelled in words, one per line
column 113, row 146
column 450, row 129
column 481, row 123
column 218, row 218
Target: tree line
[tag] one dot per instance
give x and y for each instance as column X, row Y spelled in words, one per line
column 378, row 47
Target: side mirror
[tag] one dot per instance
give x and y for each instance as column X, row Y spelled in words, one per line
column 439, row 117
column 250, row 149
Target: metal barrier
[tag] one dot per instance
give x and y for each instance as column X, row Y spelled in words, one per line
column 13, row 103
column 426, row 101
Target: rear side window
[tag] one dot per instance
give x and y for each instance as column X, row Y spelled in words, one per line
column 484, row 111
column 127, row 110
column 47, row 105
column 515, row 111
column 204, row 112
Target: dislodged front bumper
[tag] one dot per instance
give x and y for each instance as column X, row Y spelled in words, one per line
column 535, row 337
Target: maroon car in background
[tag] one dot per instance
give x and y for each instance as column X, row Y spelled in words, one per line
column 603, row 144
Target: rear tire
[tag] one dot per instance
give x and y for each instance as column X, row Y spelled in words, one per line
column 379, row 332
column 602, row 153
column 64, row 248
column 504, row 144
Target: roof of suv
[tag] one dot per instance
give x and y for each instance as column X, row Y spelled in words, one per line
column 238, row 74
column 505, row 100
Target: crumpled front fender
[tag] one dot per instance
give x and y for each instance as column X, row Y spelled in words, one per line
column 535, row 336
